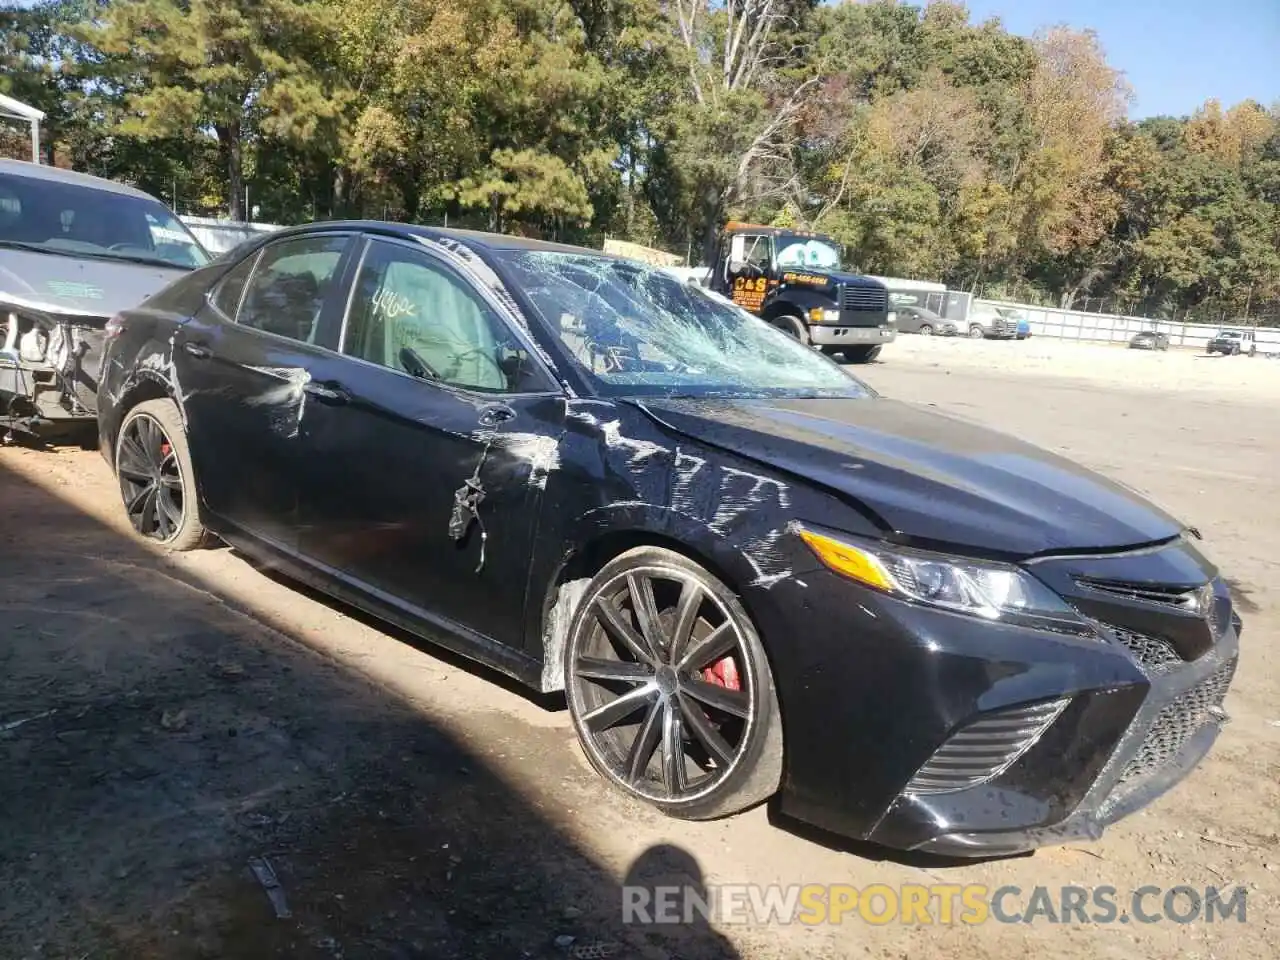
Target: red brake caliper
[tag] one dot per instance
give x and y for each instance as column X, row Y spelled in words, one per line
column 723, row 673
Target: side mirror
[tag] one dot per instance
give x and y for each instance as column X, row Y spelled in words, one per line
column 513, row 362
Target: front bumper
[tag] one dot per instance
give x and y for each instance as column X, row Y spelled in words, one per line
column 50, row 394
column 1008, row 815
column 899, row 680
column 840, row 336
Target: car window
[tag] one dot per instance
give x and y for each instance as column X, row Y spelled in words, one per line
column 231, row 288
column 412, row 313
column 755, row 250
column 638, row 331
column 289, row 286
column 74, row 219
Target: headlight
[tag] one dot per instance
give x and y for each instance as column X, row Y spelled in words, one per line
column 892, row 318
column 824, row 315
column 979, row 588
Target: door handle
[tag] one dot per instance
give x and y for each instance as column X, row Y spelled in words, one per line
column 495, row 414
column 327, row 392
column 197, row 350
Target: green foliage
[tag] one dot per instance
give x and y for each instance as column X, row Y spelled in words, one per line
column 928, row 144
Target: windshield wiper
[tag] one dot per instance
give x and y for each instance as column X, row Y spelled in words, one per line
column 94, row 254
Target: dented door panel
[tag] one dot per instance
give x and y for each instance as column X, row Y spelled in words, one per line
column 386, row 467
column 245, row 401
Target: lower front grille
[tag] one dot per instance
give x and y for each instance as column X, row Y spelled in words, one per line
column 1155, row 655
column 1178, row 721
column 985, row 748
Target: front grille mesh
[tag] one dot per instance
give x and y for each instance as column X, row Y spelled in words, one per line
column 985, row 748
column 871, row 299
column 1152, row 653
column 1178, row 721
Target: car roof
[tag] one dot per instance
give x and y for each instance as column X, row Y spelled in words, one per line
column 40, row 171
column 472, row 238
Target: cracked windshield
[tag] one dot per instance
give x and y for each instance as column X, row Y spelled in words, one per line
column 640, row 331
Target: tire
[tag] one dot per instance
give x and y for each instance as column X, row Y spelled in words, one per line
column 863, row 354
column 975, row 332
column 925, row 330
column 793, row 326
column 609, row 658
column 171, row 519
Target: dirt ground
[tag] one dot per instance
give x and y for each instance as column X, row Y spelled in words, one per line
column 165, row 720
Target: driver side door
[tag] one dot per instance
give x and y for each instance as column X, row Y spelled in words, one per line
column 748, row 269
column 432, row 396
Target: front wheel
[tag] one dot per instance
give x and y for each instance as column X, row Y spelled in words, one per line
column 926, row 330
column 795, row 327
column 863, row 354
column 157, row 482
column 670, row 690
column 975, row 332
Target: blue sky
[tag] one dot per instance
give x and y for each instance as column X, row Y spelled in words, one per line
column 1175, row 53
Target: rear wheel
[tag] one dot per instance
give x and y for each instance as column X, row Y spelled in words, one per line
column 670, row 690
column 157, row 483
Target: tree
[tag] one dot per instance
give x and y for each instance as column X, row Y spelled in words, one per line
column 238, row 69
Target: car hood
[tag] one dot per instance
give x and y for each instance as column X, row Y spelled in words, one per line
column 927, row 476
column 70, row 286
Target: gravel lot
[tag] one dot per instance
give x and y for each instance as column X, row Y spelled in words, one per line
column 164, row 720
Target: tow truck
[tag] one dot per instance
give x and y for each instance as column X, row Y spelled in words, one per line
column 795, row 280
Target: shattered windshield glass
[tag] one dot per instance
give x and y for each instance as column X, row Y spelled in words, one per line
column 49, row 216
column 639, row 331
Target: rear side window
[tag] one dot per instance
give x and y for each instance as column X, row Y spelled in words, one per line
column 289, row 286
column 231, row 289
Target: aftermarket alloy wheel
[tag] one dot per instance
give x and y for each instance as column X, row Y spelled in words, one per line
column 670, row 689
column 157, row 483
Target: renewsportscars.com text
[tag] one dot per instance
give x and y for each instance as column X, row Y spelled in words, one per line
column 926, row 904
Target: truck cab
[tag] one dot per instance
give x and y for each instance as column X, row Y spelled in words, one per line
column 794, row 280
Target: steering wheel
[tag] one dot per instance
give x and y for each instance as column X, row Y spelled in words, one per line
column 413, row 361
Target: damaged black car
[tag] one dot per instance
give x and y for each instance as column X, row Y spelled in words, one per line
column 752, row 577
column 74, row 250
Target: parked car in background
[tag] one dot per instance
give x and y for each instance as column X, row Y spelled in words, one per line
column 992, row 323
column 74, row 251
column 1023, row 331
column 594, row 477
column 913, row 319
column 1232, row 343
column 1149, row 340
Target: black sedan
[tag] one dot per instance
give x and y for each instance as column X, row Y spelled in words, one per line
column 751, row 575
column 1149, row 340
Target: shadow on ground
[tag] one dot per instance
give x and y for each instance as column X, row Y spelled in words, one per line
column 154, row 739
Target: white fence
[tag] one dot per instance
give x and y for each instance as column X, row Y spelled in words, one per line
column 1106, row 327
column 219, row 236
